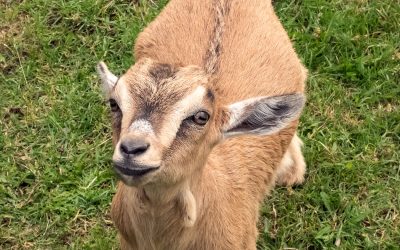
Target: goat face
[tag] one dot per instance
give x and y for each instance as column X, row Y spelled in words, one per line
column 167, row 120
column 164, row 121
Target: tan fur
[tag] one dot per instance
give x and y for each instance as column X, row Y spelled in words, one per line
column 293, row 167
column 207, row 195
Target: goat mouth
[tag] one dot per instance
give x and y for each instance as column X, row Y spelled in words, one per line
column 135, row 171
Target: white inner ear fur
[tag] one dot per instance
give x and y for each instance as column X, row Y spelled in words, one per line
column 108, row 79
column 263, row 115
column 237, row 110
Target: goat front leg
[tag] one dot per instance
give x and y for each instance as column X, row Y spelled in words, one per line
column 292, row 168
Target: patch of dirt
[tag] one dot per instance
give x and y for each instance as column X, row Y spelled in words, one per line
column 13, row 111
column 14, row 27
column 351, row 119
column 10, row 2
column 385, row 108
column 10, row 31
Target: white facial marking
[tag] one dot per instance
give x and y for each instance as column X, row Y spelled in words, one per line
column 123, row 97
column 141, row 126
column 181, row 110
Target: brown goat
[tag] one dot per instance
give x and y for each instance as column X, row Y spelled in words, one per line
column 204, row 125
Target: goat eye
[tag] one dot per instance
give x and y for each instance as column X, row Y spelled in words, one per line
column 114, row 105
column 201, row 118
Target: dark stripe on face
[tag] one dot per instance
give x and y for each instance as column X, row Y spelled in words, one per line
column 116, row 125
column 183, row 130
column 210, row 95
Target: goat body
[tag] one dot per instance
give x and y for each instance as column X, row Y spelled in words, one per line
column 245, row 53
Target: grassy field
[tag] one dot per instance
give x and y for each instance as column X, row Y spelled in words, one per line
column 56, row 182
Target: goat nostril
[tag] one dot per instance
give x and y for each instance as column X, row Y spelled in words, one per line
column 134, row 147
column 124, row 148
column 140, row 150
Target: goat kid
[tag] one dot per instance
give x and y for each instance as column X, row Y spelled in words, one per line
column 204, row 125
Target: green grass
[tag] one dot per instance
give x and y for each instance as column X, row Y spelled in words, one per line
column 56, row 183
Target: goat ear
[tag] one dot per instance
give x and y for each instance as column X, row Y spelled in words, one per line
column 108, row 79
column 263, row 115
